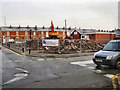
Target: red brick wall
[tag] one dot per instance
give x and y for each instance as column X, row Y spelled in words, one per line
column 104, row 38
column 0, row 36
column 22, row 35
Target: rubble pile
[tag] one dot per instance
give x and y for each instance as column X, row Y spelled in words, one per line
column 67, row 46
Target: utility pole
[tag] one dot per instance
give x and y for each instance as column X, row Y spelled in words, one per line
column 65, row 27
column 5, row 27
column 5, row 21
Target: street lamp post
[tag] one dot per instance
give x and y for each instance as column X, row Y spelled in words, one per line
column 65, row 27
column 30, row 42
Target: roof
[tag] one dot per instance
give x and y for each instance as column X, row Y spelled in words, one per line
column 100, row 33
column 91, row 31
column 33, row 29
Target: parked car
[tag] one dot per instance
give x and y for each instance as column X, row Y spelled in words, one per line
column 109, row 55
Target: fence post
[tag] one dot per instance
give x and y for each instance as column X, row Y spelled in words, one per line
column 25, row 47
column 38, row 45
column 97, row 45
column 30, row 42
column 81, row 45
column 59, row 52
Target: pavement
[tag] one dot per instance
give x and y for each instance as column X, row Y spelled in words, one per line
column 60, row 55
column 56, row 55
column 52, row 55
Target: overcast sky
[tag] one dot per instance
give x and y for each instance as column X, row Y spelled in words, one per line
column 92, row 14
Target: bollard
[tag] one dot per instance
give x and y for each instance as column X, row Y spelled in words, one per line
column 118, row 78
column 118, row 81
column 113, row 81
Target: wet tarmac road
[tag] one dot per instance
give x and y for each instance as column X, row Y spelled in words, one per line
column 79, row 72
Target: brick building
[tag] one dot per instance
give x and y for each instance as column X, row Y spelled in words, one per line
column 97, row 36
column 23, row 33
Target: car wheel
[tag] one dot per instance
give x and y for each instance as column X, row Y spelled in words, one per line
column 118, row 64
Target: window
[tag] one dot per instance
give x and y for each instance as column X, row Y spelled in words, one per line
column 83, row 36
column 42, row 33
column 8, row 38
column 25, row 38
column 14, row 38
column 34, row 33
column 112, row 46
column 63, row 33
column 17, row 33
column 47, row 35
column 17, row 39
column 26, row 33
column 75, row 32
column 8, row 33
column 42, row 37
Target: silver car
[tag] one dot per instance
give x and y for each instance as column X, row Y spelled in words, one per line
column 109, row 55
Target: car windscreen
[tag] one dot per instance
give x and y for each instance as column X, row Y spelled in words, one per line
column 112, row 46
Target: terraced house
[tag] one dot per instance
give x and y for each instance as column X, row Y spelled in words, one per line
column 18, row 34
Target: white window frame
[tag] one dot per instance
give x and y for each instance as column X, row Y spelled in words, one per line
column 8, row 33
column 47, row 34
column 42, row 33
column 26, row 33
column 34, row 33
column 63, row 33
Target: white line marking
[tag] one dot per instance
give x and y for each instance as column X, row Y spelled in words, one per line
column 49, row 59
column 109, row 75
column 22, row 70
column 17, row 77
column 98, row 71
column 41, row 59
column 82, row 63
column 91, row 67
column 18, row 61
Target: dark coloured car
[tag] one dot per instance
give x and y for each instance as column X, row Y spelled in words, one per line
column 109, row 55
